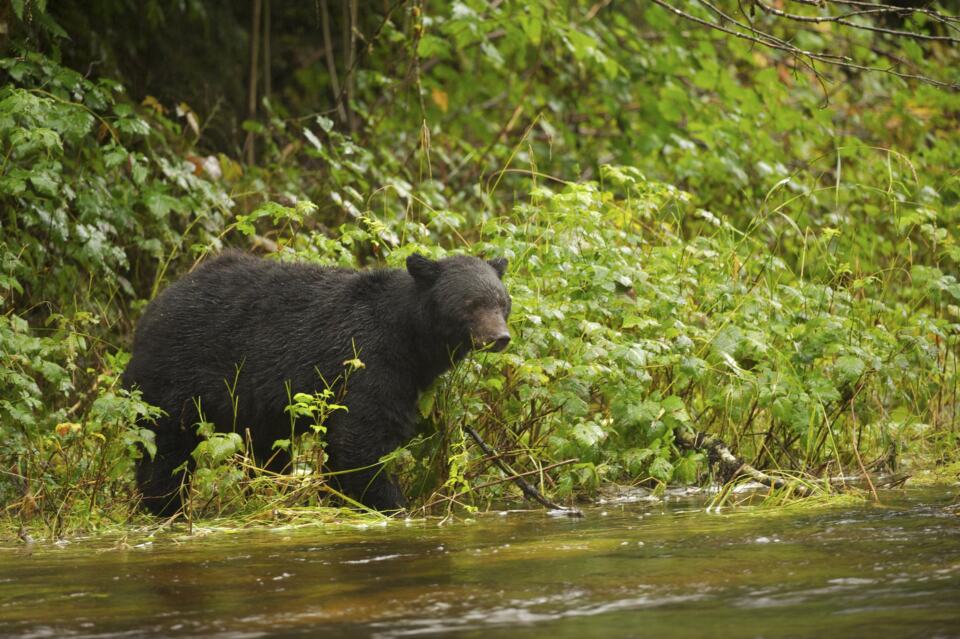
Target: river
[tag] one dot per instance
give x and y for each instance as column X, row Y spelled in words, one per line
column 628, row 568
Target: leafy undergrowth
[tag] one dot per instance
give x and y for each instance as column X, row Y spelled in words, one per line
column 96, row 207
column 634, row 314
column 794, row 292
column 626, row 330
column 637, row 314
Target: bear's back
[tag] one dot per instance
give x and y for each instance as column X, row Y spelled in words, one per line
column 237, row 310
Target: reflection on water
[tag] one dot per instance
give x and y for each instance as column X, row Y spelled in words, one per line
column 637, row 569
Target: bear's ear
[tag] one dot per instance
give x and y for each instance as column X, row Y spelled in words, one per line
column 423, row 269
column 499, row 264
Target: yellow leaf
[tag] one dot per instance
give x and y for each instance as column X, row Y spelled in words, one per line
column 152, row 103
column 65, row 428
column 354, row 363
column 231, row 170
column 440, row 98
column 192, row 121
column 184, row 111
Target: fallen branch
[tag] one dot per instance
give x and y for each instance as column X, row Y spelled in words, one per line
column 536, row 471
column 730, row 465
column 517, row 478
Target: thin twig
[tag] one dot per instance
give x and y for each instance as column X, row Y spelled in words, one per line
column 369, row 42
column 856, row 449
column 893, row 9
column 331, row 62
column 496, row 482
column 805, row 57
column 351, row 43
column 267, row 81
column 841, row 20
column 252, row 86
column 522, row 483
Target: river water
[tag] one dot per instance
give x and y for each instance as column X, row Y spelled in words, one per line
column 641, row 569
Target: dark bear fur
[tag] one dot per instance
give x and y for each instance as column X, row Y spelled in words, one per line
column 283, row 323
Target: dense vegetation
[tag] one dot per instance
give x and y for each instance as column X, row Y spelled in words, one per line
column 704, row 231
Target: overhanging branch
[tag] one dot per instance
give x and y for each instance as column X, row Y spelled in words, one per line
column 834, row 12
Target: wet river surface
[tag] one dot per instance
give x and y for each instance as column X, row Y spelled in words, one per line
column 642, row 569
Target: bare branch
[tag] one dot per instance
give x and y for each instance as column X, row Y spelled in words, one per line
column 526, row 487
column 728, row 24
column 841, row 20
column 331, row 62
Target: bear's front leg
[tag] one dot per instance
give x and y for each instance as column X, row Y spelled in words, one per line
column 374, row 489
column 356, row 442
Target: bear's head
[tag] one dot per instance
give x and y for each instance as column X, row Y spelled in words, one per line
column 464, row 300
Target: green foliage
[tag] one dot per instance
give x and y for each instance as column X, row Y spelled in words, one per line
column 702, row 233
column 628, row 331
column 95, row 205
column 228, row 478
column 65, row 471
column 85, row 193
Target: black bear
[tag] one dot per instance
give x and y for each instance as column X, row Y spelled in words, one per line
column 237, row 335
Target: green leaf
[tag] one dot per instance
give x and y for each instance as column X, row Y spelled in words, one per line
column 673, row 103
column 219, row 447
column 312, row 139
column 589, row 434
column 675, row 411
column 635, row 460
column 686, row 469
column 160, row 204
column 430, row 46
column 532, row 24
column 426, row 401
column 146, row 437
column 661, row 469
column 848, row 369
column 45, row 183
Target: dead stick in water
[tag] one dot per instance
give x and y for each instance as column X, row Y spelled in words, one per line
column 525, row 474
column 502, row 480
column 730, row 464
column 524, row 485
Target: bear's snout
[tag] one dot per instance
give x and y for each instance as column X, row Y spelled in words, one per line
column 500, row 343
column 490, row 332
column 495, row 343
